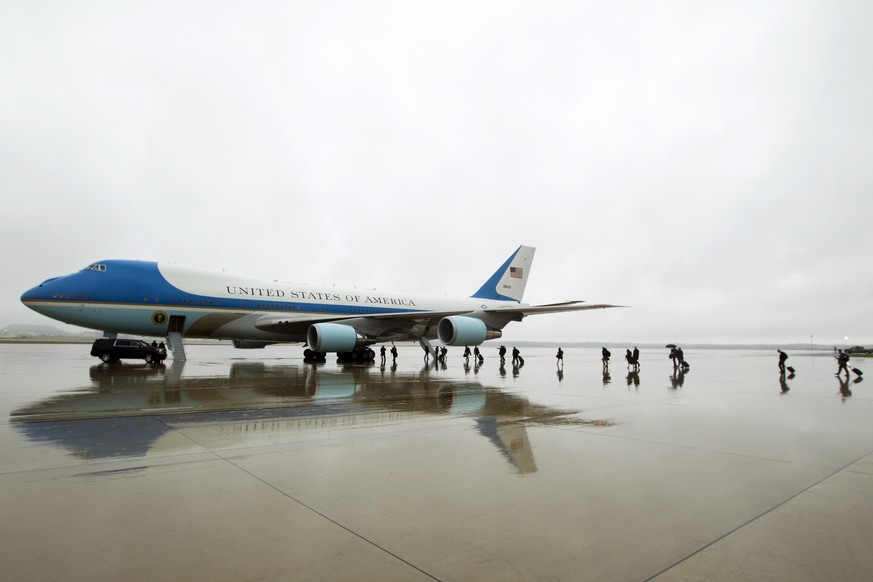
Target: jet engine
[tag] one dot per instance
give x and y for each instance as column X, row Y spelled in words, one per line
column 458, row 330
column 331, row 337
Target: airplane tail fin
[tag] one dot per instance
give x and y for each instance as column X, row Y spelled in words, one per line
column 508, row 282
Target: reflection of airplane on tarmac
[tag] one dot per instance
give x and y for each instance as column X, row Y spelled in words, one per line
column 153, row 299
column 128, row 408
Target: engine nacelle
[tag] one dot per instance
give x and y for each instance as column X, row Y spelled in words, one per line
column 458, row 330
column 250, row 344
column 331, row 337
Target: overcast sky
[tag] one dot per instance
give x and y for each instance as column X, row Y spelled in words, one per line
column 708, row 163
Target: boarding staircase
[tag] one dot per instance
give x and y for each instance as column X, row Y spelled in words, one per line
column 177, row 346
column 427, row 346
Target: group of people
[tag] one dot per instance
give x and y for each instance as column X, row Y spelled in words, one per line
column 160, row 346
column 678, row 357
column 477, row 356
column 440, row 354
column 632, row 357
column 517, row 360
column 840, row 356
column 393, row 354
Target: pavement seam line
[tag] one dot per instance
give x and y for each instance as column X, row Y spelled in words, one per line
column 757, row 517
column 302, row 504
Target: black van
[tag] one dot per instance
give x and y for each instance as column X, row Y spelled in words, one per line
column 112, row 350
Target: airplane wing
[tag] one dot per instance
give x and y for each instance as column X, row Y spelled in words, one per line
column 375, row 324
column 561, row 307
column 379, row 324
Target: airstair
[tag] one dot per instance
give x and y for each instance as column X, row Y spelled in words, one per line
column 177, row 346
column 427, row 346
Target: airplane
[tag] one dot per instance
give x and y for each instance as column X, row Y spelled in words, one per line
column 162, row 300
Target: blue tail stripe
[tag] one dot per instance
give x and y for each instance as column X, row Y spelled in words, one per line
column 489, row 289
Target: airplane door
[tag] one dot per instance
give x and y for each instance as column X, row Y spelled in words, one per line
column 177, row 324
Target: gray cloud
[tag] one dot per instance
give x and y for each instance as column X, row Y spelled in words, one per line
column 707, row 164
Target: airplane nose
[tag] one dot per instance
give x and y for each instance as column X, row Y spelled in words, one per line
column 34, row 294
column 38, row 293
column 30, row 295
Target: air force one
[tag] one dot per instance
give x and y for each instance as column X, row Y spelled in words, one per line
column 160, row 300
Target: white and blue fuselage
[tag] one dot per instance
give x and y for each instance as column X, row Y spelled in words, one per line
column 153, row 299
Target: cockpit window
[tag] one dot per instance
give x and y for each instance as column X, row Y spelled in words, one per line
column 95, row 267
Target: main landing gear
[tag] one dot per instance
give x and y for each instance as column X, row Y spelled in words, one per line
column 313, row 356
column 363, row 354
column 357, row 355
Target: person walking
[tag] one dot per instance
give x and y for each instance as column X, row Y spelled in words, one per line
column 782, row 357
column 842, row 363
column 680, row 356
column 560, row 357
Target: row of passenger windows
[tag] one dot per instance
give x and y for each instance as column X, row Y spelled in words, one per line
column 274, row 306
column 282, row 307
column 210, row 302
column 193, row 301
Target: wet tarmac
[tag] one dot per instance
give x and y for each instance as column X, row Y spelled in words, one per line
column 246, row 465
